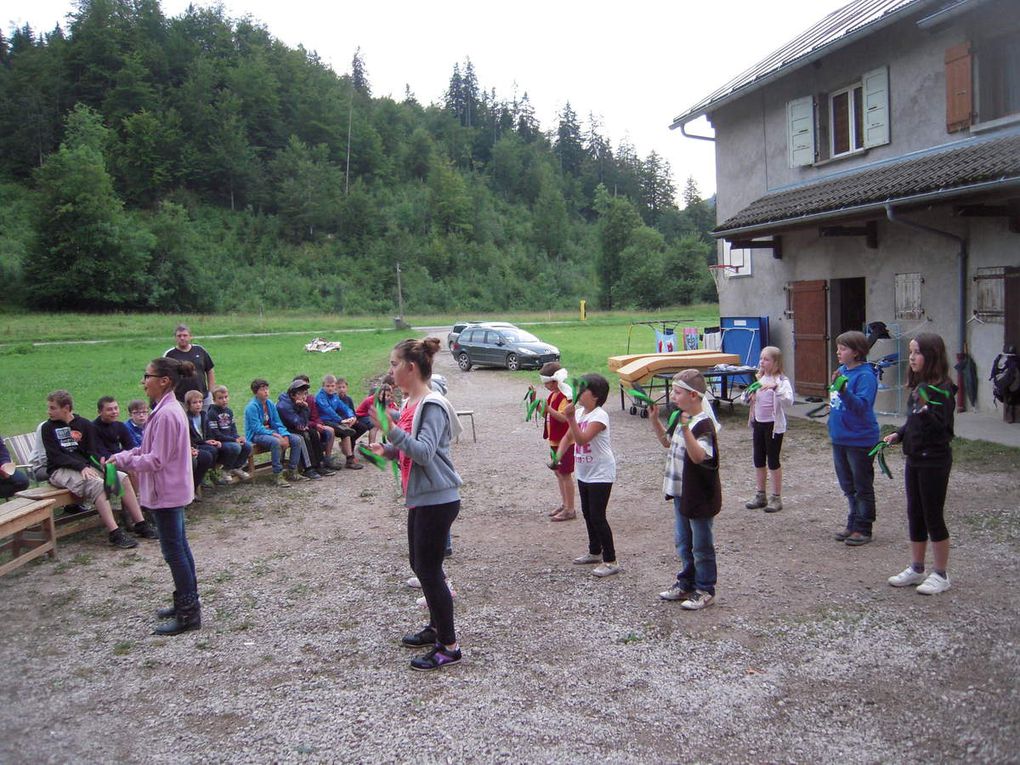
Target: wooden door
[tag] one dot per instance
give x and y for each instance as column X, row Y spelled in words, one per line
column 1011, row 307
column 811, row 337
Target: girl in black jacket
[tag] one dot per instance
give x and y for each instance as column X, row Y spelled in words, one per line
column 926, row 436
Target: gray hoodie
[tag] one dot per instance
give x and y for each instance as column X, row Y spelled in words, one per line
column 433, row 479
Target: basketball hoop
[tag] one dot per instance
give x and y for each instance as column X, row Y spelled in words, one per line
column 723, row 269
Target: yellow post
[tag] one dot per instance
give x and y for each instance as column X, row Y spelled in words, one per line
column 584, row 312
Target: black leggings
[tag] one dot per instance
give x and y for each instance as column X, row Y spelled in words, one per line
column 427, row 530
column 594, row 502
column 926, row 501
column 764, row 444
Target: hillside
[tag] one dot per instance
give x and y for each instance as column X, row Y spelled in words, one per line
column 197, row 163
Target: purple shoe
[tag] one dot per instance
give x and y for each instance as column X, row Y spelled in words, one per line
column 437, row 658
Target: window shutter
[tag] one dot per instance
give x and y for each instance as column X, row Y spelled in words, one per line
column 959, row 88
column 876, row 107
column 800, row 120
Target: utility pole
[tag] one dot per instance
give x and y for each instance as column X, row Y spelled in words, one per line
column 350, row 122
column 399, row 322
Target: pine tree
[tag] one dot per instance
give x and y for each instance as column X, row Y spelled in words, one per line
column 359, row 75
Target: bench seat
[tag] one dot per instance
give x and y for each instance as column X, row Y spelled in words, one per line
column 18, row 515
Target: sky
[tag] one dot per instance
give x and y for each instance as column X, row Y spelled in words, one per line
column 634, row 66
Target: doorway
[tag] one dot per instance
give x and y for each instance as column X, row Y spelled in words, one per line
column 847, row 306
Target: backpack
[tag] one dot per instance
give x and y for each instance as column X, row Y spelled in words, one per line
column 1005, row 377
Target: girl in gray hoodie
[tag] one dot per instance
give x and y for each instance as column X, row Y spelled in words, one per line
column 420, row 442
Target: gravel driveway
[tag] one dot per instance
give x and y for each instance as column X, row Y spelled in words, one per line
column 807, row 654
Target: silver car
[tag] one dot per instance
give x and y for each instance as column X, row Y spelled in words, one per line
column 495, row 344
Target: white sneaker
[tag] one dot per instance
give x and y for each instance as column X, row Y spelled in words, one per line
column 582, row 560
column 698, row 600
column 676, row 592
column 241, row 475
column 424, row 603
column 414, row 583
column 906, row 578
column 933, row 585
column 606, row 569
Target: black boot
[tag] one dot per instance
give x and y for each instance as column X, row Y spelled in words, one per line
column 169, row 613
column 187, row 618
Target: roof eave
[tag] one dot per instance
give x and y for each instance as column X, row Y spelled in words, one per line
column 774, row 226
column 849, row 38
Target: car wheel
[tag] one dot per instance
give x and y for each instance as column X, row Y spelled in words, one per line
column 512, row 362
column 464, row 362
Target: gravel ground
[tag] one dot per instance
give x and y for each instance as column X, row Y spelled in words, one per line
column 806, row 656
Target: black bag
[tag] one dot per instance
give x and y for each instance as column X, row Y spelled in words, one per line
column 1005, row 377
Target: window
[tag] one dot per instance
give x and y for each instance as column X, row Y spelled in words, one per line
column 908, row 296
column 991, row 293
column 839, row 123
column 982, row 81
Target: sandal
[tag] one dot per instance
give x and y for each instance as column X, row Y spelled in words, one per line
column 557, row 511
column 562, row 516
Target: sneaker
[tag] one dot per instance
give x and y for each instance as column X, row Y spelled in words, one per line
column 582, row 560
column 933, row 585
column 354, row 465
column 606, row 569
column 145, row 530
column 906, row 577
column 414, row 583
column 312, row 474
column 676, row 592
column 279, row 479
column 758, row 502
column 857, row 539
column 423, row 639
column 437, row 658
column 118, row 538
column 698, row 600
column 840, row 536
column 294, row 476
column 775, row 504
column 240, row 475
column 224, row 479
column 325, row 470
column 335, row 463
column 425, row 604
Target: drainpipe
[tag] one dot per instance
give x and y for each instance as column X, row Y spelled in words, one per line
column 683, row 131
column 962, row 278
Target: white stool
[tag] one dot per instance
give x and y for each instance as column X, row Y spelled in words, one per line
column 468, row 413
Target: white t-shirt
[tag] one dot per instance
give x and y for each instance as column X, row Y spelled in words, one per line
column 594, row 462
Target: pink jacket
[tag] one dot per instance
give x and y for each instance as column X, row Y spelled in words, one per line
column 163, row 461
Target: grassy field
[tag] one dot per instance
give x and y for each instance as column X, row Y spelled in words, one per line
column 120, row 345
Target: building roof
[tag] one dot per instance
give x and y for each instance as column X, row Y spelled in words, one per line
column 839, row 28
column 962, row 168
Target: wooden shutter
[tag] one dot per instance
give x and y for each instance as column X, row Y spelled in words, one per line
column 811, row 337
column 800, row 120
column 959, row 88
column 876, row 107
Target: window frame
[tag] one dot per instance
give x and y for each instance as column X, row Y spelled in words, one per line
column 854, row 120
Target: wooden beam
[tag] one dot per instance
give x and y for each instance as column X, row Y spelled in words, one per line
column 869, row 230
column 775, row 244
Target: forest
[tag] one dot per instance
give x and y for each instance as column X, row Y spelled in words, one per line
column 198, row 164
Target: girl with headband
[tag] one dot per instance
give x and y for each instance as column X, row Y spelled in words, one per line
column 555, row 429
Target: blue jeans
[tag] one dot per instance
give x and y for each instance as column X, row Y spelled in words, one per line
column 272, row 445
column 855, row 471
column 234, row 455
column 696, row 549
column 176, row 552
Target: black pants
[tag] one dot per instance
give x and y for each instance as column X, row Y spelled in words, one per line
column 594, row 502
column 427, row 530
column 313, row 443
column 15, row 482
column 926, row 500
column 765, row 445
column 202, row 462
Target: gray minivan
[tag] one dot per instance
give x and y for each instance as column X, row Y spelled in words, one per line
column 494, row 344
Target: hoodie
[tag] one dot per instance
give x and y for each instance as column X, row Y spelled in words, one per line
column 852, row 420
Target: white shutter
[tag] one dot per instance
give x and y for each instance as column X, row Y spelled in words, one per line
column 876, row 107
column 800, row 120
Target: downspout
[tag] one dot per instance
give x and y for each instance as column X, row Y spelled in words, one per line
column 962, row 286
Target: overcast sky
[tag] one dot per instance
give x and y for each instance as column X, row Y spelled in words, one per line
column 635, row 65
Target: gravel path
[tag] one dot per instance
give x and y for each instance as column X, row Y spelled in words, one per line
column 806, row 656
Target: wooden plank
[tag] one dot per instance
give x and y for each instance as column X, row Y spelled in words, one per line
column 616, row 362
column 14, row 520
column 644, row 368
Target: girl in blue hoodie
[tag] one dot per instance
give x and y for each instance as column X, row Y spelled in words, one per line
column 853, row 429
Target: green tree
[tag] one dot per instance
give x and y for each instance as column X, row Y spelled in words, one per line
column 617, row 221
column 87, row 255
column 359, row 74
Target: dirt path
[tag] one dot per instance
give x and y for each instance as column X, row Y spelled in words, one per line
column 807, row 655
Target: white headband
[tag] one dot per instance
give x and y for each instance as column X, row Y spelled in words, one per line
column 706, row 405
column 560, row 378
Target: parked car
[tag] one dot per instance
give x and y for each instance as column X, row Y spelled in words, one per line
column 495, row 344
column 451, row 336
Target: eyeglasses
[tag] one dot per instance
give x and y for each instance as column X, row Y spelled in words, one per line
column 146, row 376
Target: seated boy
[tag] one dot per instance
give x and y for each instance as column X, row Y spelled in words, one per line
column 138, row 414
column 112, row 435
column 357, row 426
column 204, row 452
column 263, row 427
column 296, row 417
column 385, row 394
column 69, row 441
column 12, row 480
column 336, row 414
column 326, row 434
column 220, row 426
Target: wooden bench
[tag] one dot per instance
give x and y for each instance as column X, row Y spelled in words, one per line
column 18, row 515
column 68, row 523
column 258, row 466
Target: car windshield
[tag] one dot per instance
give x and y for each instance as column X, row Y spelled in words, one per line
column 519, row 336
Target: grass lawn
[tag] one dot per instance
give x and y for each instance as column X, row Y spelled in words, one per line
column 31, row 368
